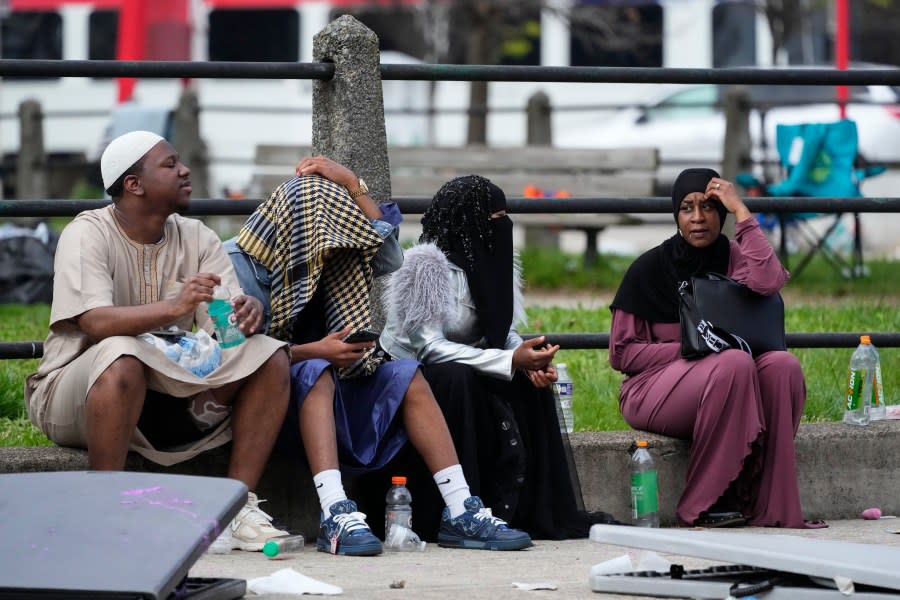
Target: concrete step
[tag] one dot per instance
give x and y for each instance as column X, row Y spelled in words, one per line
column 842, row 470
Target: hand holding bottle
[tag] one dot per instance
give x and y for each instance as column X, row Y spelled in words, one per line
column 224, row 320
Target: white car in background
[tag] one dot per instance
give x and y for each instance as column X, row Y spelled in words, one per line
column 687, row 123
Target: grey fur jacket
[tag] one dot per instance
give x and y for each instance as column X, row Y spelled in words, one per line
column 431, row 316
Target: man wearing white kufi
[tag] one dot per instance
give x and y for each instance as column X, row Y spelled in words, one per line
column 133, row 267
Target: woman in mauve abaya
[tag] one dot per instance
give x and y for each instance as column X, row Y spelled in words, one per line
column 740, row 413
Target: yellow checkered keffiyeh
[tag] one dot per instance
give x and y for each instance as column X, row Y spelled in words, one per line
column 310, row 230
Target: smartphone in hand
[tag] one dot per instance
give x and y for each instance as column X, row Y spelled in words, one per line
column 361, row 335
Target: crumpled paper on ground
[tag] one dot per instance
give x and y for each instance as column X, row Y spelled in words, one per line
column 289, row 581
column 537, row 585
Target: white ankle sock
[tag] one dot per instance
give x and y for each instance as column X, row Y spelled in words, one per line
column 329, row 488
column 453, row 487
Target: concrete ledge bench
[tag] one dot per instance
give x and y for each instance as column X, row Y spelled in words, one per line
column 842, row 470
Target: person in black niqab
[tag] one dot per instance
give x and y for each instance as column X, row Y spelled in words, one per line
column 494, row 388
column 461, row 221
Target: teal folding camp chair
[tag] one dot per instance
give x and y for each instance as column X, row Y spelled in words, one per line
column 820, row 159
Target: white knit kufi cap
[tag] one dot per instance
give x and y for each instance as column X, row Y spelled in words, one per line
column 123, row 152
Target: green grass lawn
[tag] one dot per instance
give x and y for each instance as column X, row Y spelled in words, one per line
column 596, row 385
column 555, row 270
column 819, row 300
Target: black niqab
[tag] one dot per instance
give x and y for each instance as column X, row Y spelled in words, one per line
column 459, row 222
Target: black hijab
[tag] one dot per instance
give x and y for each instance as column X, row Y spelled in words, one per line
column 649, row 289
column 459, row 223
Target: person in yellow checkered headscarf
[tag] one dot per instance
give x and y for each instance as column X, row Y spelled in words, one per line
column 310, row 253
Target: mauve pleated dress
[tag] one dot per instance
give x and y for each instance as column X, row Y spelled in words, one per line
column 740, row 414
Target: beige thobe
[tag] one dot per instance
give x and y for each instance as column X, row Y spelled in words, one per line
column 97, row 265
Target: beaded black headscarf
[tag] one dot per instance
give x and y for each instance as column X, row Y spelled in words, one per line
column 459, row 222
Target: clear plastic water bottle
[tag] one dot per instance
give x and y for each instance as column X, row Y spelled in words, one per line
column 398, row 532
column 644, row 488
column 565, row 392
column 284, row 546
column 858, row 400
column 878, row 410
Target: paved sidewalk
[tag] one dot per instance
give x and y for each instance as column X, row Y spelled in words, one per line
column 442, row 573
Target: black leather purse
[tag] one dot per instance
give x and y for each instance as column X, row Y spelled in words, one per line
column 718, row 313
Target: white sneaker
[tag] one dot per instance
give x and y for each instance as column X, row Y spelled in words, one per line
column 252, row 527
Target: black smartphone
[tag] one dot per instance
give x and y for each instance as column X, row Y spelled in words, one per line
column 167, row 333
column 361, row 335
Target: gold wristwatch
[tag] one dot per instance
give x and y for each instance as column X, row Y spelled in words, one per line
column 362, row 189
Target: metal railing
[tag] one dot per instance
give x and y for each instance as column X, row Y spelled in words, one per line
column 234, row 109
column 446, row 72
column 418, row 204
column 414, row 205
column 569, row 341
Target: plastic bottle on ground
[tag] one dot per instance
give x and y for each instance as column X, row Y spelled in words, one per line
column 858, row 399
column 283, row 547
column 398, row 532
column 644, row 488
column 565, row 392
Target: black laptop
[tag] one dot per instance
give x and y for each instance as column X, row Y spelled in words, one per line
column 91, row 534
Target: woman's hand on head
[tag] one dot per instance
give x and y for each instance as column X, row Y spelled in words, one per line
column 530, row 356
column 327, row 168
column 725, row 192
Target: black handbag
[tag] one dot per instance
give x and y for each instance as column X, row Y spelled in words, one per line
column 718, row 313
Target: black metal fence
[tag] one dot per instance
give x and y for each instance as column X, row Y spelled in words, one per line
column 446, row 72
column 416, row 205
column 443, row 72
